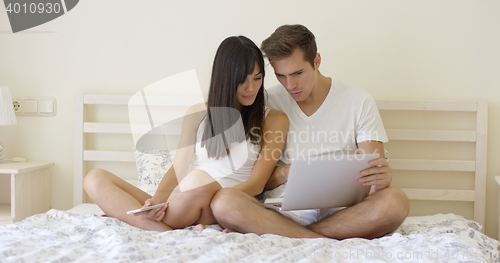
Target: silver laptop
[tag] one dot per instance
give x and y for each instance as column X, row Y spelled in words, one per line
column 323, row 182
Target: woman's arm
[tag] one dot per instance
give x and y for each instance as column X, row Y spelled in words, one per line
column 278, row 177
column 274, row 136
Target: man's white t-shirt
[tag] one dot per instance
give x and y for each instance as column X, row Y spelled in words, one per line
column 348, row 116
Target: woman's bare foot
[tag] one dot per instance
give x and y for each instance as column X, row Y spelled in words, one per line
column 227, row 230
column 199, row 227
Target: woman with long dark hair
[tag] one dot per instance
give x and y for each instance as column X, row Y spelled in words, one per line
column 231, row 141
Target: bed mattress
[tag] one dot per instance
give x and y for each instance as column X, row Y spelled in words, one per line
column 82, row 235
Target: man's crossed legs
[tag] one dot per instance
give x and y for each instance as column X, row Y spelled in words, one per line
column 378, row 214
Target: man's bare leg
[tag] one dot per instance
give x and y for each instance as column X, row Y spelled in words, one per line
column 240, row 212
column 378, row 214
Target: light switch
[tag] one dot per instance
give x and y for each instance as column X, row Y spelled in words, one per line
column 30, row 106
column 45, row 106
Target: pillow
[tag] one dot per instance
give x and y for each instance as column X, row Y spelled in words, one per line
column 152, row 164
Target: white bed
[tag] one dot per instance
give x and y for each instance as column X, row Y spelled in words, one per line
column 103, row 140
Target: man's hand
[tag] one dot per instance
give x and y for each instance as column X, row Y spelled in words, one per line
column 379, row 176
column 154, row 214
column 279, row 177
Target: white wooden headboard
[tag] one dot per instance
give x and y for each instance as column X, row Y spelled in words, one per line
column 476, row 134
column 108, row 116
column 401, row 119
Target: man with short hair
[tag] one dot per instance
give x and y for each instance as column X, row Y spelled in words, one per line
column 316, row 104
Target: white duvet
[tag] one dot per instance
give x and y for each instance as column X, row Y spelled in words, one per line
column 70, row 236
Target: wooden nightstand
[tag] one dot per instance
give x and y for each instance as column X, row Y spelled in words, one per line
column 29, row 190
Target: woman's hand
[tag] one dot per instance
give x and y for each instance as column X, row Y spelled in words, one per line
column 278, row 177
column 154, row 214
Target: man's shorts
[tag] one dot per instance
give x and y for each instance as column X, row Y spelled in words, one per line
column 301, row 217
column 307, row 217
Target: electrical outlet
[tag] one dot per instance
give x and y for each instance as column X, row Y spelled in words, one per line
column 17, row 106
column 34, row 106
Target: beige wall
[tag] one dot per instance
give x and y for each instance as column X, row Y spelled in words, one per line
column 394, row 49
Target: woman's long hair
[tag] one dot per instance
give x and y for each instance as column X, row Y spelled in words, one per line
column 234, row 61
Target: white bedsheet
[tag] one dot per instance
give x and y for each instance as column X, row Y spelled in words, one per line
column 79, row 235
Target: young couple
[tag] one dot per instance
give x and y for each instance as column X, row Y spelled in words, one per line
column 202, row 188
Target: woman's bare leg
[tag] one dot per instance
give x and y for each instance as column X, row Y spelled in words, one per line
column 115, row 197
column 189, row 203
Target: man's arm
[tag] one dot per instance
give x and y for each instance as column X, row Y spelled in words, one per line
column 380, row 175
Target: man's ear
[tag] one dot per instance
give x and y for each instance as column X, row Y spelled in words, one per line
column 317, row 61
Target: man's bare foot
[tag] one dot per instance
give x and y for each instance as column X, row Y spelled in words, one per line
column 227, row 230
column 199, row 227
